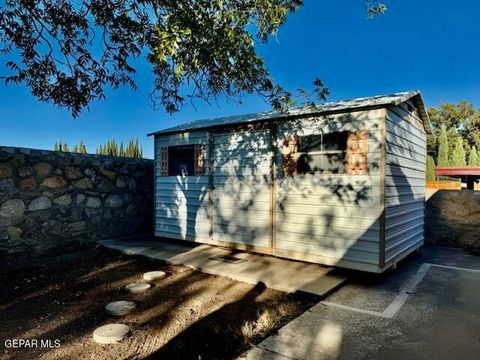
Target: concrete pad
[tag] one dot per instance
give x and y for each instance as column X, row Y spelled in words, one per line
column 120, row 308
column 154, row 275
column 275, row 273
column 137, row 288
column 440, row 318
column 111, row 333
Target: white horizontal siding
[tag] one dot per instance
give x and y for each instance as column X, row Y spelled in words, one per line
column 404, row 183
column 334, row 216
column 329, row 216
column 241, row 178
column 181, row 203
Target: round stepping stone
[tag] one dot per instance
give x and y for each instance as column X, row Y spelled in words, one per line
column 136, row 288
column 120, row 308
column 111, row 333
column 154, row 275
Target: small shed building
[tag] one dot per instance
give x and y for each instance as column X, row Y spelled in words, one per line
column 340, row 184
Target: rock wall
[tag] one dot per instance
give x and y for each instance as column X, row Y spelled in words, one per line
column 53, row 202
column 453, row 218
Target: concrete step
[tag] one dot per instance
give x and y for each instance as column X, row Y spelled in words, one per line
column 280, row 274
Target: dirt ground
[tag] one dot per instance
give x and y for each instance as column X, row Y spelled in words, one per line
column 187, row 315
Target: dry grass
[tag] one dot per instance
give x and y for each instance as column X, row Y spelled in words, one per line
column 270, row 318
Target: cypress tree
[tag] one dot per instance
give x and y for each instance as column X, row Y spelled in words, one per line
column 75, row 149
column 60, row 146
column 430, row 174
column 136, row 152
column 442, row 159
column 55, row 147
column 65, row 147
column 121, row 152
column 473, row 157
column 128, row 152
column 458, row 155
column 82, row 148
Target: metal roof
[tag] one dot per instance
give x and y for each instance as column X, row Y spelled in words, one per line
column 455, row 171
column 329, row 107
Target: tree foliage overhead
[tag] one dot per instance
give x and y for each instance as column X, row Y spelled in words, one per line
column 69, row 52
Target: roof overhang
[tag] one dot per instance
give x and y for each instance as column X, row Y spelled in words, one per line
column 422, row 111
column 360, row 104
column 457, row 171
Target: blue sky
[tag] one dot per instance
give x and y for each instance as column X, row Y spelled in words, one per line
column 431, row 45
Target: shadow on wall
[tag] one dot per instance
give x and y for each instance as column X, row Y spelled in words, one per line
column 331, row 214
column 453, row 218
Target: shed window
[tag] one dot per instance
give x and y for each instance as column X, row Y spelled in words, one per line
column 340, row 152
column 184, row 160
column 324, row 153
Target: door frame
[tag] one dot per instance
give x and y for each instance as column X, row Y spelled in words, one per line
column 273, row 150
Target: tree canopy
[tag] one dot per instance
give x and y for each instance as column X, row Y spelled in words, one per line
column 460, row 120
column 69, row 52
column 454, row 124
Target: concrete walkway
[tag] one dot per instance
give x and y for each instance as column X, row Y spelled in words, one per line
column 275, row 273
column 426, row 309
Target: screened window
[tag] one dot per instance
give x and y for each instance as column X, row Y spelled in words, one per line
column 325, row 153
column 184, row 160
column 341, row 152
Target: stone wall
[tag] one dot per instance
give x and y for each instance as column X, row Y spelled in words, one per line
column 453, row 218
column 53, row 202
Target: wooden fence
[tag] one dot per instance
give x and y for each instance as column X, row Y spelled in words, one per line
column 444, row 185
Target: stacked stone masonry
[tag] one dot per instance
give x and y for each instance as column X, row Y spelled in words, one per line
column 52, row 202
column 453, row 218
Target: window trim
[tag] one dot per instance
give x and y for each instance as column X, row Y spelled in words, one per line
column 199, row 160
column 291, row 154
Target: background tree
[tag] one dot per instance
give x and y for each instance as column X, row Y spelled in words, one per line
column 82, row 148
column 458, row 155
column 111, row 148
column 443, row 150
column 197, row 49
column 430, row 172
column 121, row 151
column 461, row 120
column 473, row 157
